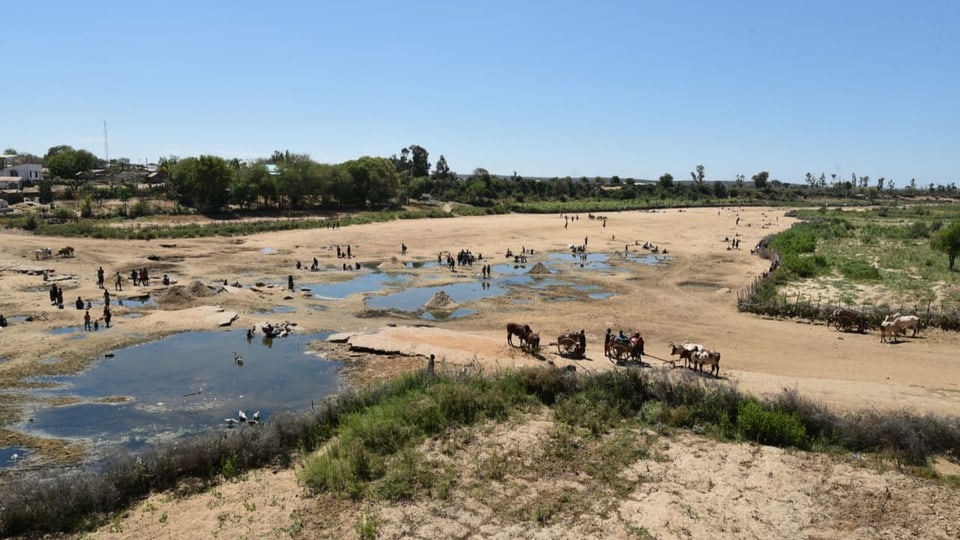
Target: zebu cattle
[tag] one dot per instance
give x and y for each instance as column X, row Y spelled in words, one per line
column 889, row 327
column 712, row 358
column 908, row 321
column 528, row 338
column 685, row 350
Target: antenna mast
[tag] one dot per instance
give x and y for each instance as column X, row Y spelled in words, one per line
column 106, row 147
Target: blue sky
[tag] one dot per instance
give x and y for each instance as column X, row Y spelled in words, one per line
column 542, row 88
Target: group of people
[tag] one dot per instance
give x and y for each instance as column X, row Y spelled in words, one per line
column 140, row 277
column 464, row 258
column 635, row 342
column 89, row 324
column 56, row 296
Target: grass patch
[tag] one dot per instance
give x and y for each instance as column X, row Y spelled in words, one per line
column 364, row 445
column 886, row 248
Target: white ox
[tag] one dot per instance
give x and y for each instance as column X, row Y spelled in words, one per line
column 43, row 253
column 907, row 321
column 890, row 326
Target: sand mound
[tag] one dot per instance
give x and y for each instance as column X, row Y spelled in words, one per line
column 441, row 300
column 200, row 290
column 179, row 295
column 392, row 264
column 539, row 269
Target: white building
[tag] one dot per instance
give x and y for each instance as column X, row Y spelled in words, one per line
column 30, row 172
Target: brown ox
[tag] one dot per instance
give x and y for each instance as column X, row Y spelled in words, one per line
column 528, row 338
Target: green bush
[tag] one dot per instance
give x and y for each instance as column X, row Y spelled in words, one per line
column 859, row 271
column 804, row 266
column 64, row 214
column 798, row 239
column 777, row 428
column 140, row 208
column 587, row 412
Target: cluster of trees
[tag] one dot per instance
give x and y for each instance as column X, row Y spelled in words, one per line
column 210, row 183
column 285, row 179
column 67, row 162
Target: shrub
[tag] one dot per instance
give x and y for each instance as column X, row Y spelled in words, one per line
column 86, row 207
column 804, row 266
column 858, row 270
column 587, row 412
column 140, row 208
column 772, row 427
column 63, row 213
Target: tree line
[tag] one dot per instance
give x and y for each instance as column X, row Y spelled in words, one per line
column 290, row 180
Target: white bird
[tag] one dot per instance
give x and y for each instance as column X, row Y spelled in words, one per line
column 230, row 421
column 243, row 416
column 237, row 358
column 256, row 416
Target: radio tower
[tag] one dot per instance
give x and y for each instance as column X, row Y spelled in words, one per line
column 106, row 148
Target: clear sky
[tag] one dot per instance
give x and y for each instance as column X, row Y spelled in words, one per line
column 633, row 88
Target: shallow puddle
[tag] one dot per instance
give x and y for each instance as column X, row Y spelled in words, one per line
column 413, row 299
column 142, row 300
column 362, row 283
column 443, row 316
column 64, row 330
column 184, row 385
column 11, row 455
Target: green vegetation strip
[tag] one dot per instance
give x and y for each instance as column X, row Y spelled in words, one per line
column 364, row 444
column 892, row 248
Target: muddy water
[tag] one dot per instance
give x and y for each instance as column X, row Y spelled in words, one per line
column 183, row 385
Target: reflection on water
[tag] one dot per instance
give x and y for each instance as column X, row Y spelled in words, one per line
column 142, row 300
column 362, row 283
column 11, row 455
column 63, row 330
column 184, row 385
column 413, row 299
column 442, row 316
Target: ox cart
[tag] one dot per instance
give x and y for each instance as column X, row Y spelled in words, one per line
column 630, row 349
column 846, row 320
column 572, row 344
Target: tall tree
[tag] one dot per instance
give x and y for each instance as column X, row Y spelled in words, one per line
column 212, row 182
column 699, row 175
column 666, row 181
column 442, row 170
column 375, row 181
column 66, row 162
column 760, row 179
column 420, row 162
column 947, row 241
column 298, row 179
